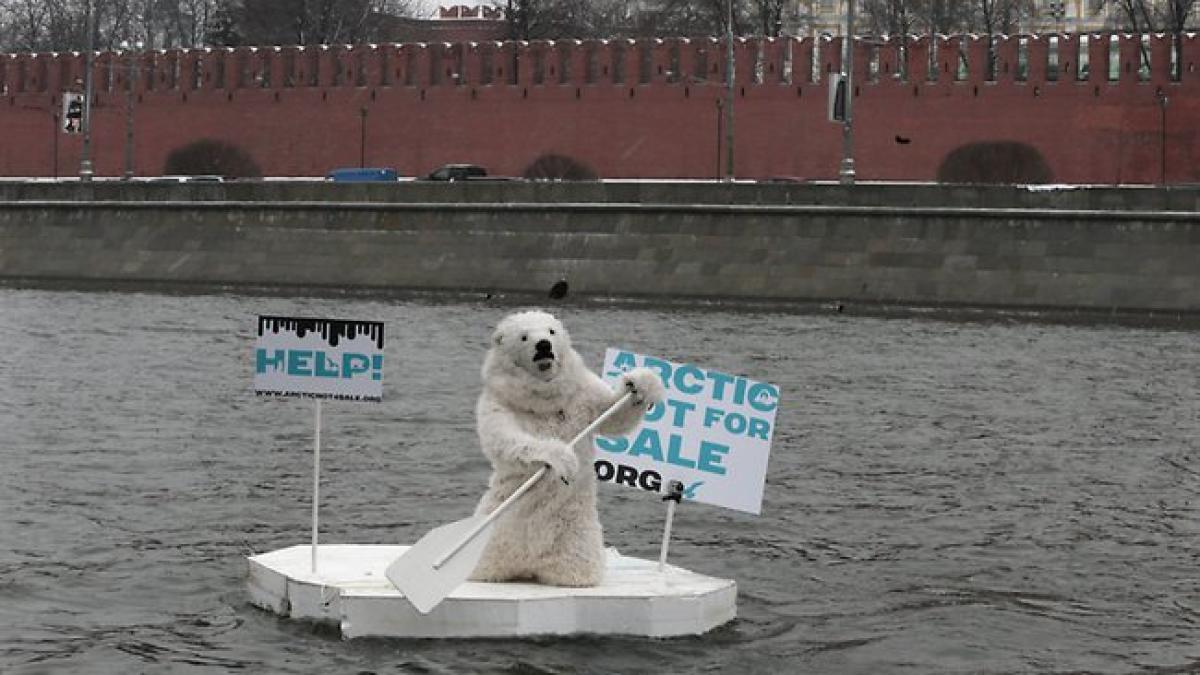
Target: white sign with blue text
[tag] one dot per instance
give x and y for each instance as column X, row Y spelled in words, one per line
column 712, row 432
column 319, row 358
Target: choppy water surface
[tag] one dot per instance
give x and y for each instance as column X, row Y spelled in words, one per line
column 942, row 498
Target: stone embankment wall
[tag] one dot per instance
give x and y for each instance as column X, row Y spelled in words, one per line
column 1103, row 248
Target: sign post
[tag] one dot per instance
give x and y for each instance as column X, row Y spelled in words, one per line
column 712, row 432
column 674, row 496
column 316, row 500
column 318, row 359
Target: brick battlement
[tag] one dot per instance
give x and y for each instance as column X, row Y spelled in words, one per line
column 676, row 62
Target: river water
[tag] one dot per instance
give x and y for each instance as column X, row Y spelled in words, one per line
column 942, row 498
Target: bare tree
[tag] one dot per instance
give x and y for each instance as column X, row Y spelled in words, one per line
column 557, row 19
column 992, row 17
column 301, row 22
column 942, row 16
column 25, row 24
column 690, row 18
column 901, row 17
column 59, row 25
column 1001, row 16
column 889, row 17
column 1181, row 14
column 769, row 16
column 1139, row 14
column 1147, row 16
column 1177, row 15
column 186, row 22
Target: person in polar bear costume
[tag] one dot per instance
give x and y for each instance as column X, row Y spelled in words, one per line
column 537, row 395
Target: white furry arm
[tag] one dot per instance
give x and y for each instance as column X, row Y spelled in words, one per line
column 504, row 442
column 647, row 389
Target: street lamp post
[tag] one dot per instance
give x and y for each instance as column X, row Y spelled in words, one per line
column 720, row 117
column 362, row 138
column 729, row 65
column 85, row 154
column 130, row 81
column 1163, row 101
column 54, row 132
column 846, row 173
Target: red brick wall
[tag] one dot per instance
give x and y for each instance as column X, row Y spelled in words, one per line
column 300, row 111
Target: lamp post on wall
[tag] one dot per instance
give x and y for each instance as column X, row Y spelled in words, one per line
column 85, row 154
column 729, row 64
column 720, row 117
column 54, row 144
column 362, row 138
column 1163, row 101
column 846, row 173
column 130, row 81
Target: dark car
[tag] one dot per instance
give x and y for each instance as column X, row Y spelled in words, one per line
column 458, row 172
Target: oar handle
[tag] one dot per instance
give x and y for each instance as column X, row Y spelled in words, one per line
column 528, row 484
column 612, row 410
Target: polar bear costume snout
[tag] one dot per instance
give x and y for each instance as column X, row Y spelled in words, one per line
column 535, row 341
column 543, row 355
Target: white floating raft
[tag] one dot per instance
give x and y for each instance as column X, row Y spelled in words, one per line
column 351, row 592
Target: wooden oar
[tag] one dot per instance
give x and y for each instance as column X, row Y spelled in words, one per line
column 441, row 560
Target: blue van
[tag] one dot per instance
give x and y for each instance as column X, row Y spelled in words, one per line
column 357, row 175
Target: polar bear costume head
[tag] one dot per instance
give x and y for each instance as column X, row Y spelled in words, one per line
column 531, row 361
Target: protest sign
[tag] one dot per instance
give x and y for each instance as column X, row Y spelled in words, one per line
column 319, row 358
column 712, row 432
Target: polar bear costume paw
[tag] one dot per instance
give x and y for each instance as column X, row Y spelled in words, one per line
column 645, row 385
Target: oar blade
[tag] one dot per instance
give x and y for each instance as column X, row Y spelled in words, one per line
column 414, row 574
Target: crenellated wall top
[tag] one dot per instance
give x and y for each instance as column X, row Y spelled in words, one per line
column 1086, row 57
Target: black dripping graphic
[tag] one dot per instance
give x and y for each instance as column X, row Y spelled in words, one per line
column 332, row 330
